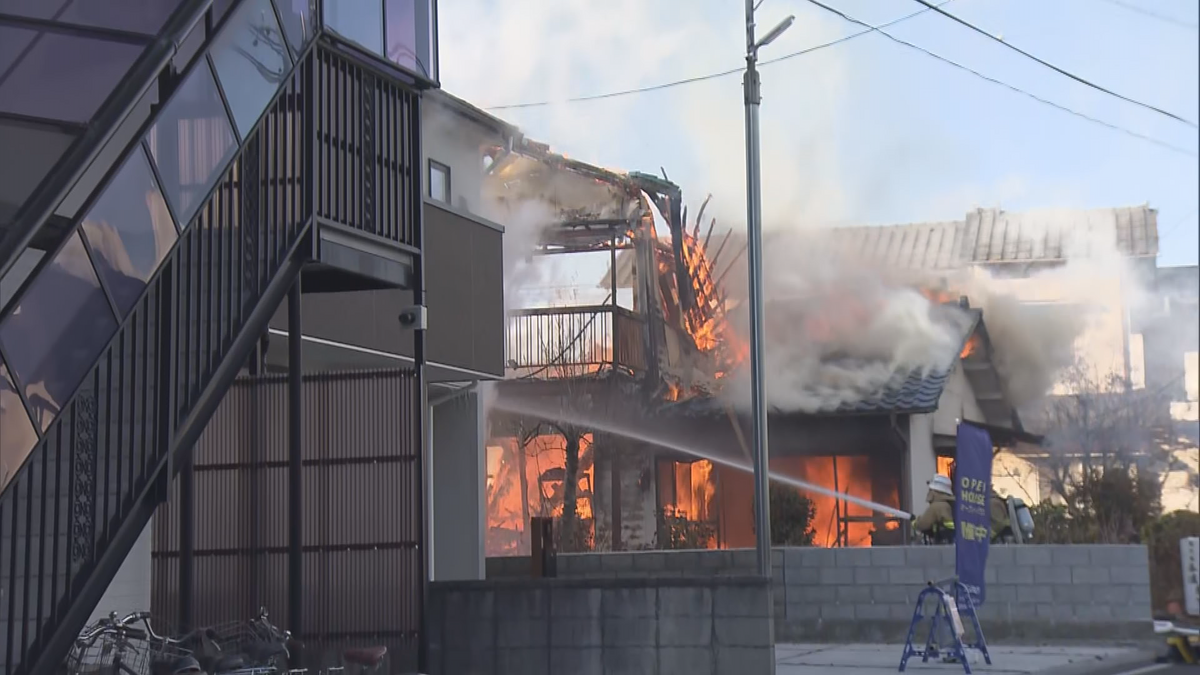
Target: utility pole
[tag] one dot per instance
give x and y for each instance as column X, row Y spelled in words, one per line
column 758, row 403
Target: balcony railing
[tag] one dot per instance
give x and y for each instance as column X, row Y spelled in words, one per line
column 565, row 342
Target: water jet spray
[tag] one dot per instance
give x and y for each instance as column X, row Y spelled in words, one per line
column 581, row 418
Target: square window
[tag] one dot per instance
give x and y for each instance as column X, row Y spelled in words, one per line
column 439, row 182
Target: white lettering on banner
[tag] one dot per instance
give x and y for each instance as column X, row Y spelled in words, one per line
column 1189, row 553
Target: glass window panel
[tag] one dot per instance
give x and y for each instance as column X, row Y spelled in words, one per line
column 190, row 47
column 39, row 147
column 251, row 58
column 13, row 42
column 219, row 7
column 402, row 48
column 56, row 330
column 297, row 17
column 130, row 231
column 62, row 77
column 192, row 142
column 124, row 134
column 136, row 16
column 18, row 273
column 17, row 436
column 358, row 20
column 439, row 182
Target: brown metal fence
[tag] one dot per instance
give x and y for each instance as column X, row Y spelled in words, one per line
column 361, row 522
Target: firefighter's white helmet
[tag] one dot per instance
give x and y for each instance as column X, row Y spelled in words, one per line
column 942, row 484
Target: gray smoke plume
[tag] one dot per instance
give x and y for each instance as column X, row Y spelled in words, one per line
column 841, row 326
column 838, row 329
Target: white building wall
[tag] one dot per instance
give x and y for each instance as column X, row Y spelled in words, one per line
column 130, row 588
column 921, row 462
column 456, row 142
column 957, row 403
column 458, row 486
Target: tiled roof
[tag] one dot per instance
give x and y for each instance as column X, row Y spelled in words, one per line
column 990, row 236
column 915, row 391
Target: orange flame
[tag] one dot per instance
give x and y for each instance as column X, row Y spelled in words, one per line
column 939, row 296
column 971, row 347
column 706, row 321
column 544, row 460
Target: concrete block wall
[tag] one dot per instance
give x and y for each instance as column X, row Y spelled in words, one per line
column 1033, row 592
column 696, row 626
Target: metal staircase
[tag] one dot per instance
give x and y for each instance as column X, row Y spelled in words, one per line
column 332, row 148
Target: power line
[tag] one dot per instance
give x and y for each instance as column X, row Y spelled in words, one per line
column 1175, row 225
column 869, row 29
column 710, row 76
column 1053, row 67
column 1039, row 99
column 1154, row 15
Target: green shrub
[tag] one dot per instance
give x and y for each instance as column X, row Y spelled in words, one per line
column 678, row 533
column 792, row 515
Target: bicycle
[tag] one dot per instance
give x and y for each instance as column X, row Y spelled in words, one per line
column 111, row 647
column 243, row 647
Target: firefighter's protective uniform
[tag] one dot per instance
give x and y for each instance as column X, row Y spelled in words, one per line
column 999, row 509
column 938, row 520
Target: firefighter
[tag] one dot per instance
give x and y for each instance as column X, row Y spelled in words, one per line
column 1001, row 527
column 937, row 523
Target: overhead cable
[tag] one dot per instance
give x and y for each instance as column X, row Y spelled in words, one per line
column 702, row 78
column 1154, row 15
column 1053, row 67
column 868, row 29
column 1039, row 99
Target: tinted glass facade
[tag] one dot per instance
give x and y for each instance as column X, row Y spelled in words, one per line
column 357, row 20
column 130, row 231
column 191, row 142
column 56, row 330
column 135, row 16
column 297, row 18
column 59, row 76
column 17, row 437
column 402, row 46
column 251, row 58
column 39, row 147
column 72, row 305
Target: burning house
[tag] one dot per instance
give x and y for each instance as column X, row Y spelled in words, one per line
column 624, row 417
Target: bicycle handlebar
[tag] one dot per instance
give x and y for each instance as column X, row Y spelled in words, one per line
column 114, row 626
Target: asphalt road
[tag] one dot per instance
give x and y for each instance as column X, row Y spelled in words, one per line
column 1155, row 670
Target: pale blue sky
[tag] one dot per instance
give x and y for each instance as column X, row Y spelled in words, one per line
column 867, row 131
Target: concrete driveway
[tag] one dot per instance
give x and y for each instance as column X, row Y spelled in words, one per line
column 814, row 659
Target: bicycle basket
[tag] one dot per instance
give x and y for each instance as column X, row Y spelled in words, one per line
column 232, row 636
column 92, row 657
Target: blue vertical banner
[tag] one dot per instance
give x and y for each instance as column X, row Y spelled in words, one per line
column 972, row 515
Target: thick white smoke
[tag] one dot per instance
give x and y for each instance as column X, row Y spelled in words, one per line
column 838, row 329
column 841, row 326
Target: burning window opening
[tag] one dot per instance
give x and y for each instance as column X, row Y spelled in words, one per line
column 720, row 498
column 525, row 481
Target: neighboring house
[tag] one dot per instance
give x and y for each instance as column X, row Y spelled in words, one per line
column 460, row 142
column 1169, row 328
column 1025, row 254
column 883, row 447
column 1093, row 263
column 1141, row 320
